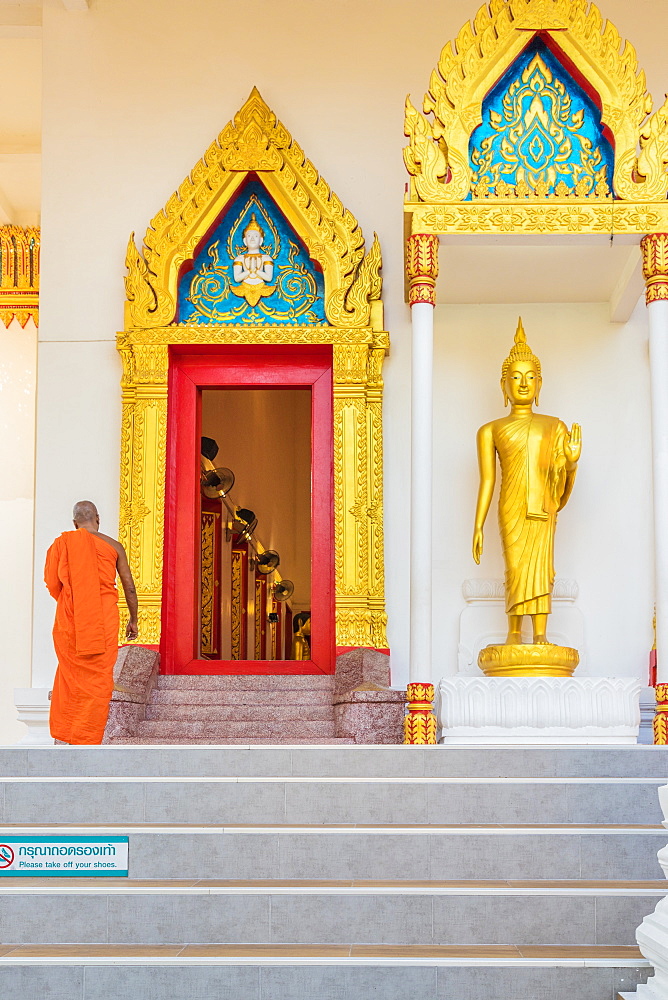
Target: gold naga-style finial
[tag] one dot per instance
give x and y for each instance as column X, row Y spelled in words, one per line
column 520, row 351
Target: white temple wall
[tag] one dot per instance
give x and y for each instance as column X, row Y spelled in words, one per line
column 133, row 95
column 18, row 349
column 78, row 450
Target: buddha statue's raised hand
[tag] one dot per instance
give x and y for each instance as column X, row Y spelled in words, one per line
column 573, row 446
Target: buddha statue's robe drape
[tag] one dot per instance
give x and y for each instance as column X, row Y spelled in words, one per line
column 80, row 573
column 534, row 486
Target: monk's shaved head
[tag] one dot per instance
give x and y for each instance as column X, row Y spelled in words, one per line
column 84, row 511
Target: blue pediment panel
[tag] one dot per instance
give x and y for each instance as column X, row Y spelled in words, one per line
column 541, row 130
column 252, row 269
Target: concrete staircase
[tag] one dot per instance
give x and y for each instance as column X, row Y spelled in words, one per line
column 346, row 873
column 243, row 709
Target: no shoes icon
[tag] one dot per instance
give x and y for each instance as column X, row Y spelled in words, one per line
column 6, row 855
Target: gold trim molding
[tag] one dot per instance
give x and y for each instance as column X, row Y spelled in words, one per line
column 255, row 142
column 568, row 216
column 437, row 155
column 19, row 274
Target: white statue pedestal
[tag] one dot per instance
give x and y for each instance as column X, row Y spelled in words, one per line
column 520, row 710
column 32, row 707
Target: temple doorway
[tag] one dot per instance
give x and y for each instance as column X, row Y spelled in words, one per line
column 254, row 559
column 249, row 511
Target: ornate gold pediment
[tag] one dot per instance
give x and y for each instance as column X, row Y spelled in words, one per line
column 255, row 142
column 437, row 156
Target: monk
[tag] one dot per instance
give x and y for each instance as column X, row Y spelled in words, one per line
column 80, row 573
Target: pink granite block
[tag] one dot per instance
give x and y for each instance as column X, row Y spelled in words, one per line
column 123, row 721
column 361, row 668
column 371, row 716
column 135, row 673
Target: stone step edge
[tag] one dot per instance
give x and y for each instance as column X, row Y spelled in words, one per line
column 179, row 955
column 313, row 779
column 117, row 890
column 659, row 886
column 468, row 830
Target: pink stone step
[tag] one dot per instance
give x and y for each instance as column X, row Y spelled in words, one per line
column 239, row 713
column 247, row 682
column 239, row 730
column 239, row 741
column 194, row 696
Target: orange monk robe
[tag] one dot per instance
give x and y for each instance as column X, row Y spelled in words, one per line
column 80, row 573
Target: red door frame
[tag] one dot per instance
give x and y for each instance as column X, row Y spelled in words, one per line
column 191, row 369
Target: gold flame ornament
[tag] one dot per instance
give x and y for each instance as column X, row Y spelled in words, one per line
column 538, row 458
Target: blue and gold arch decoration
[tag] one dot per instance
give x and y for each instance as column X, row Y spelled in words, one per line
column 293, row 295
column 541, row 133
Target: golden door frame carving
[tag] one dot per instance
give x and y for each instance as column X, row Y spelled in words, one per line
column 256, row 142
column 437, row 157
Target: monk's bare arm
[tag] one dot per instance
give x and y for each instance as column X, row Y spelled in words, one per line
column 132, row 630
column 487, row 466
column 123, row 570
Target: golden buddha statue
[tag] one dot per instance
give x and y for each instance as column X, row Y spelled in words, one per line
column 301, row 638
column 538, row 458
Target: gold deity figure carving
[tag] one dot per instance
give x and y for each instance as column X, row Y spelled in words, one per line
column 254, row 270
column 538, row 458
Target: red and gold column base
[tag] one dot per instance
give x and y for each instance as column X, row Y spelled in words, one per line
column 420, row 722
column 661, row 715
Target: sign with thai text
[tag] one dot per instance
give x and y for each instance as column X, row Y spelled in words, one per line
column 87, row 856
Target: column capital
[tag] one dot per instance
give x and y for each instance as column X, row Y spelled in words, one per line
column 654, row 249
column 422, row 267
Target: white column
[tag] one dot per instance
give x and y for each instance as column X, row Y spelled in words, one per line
column 422, row 266
column 658, row 359
column 655, row 266
column 422, row 315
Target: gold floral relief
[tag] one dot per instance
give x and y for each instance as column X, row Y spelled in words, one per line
column 207, row 580
column 19, row 274
column 237, row 604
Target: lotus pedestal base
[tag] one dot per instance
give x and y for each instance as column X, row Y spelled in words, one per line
column 535, row 710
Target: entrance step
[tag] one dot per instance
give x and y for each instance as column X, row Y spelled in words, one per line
column 243, row 696
column 247, row 682
column 251, row 708
column 284, row 730
column 210, row 851
column 419, row 916
column 210, row 714
column 191, row 972
column 430, row 802
column 222, row 741
column 368, row 762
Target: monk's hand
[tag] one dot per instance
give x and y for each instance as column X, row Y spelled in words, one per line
column 573, row 447
column 132, row 630
column 477, row 544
